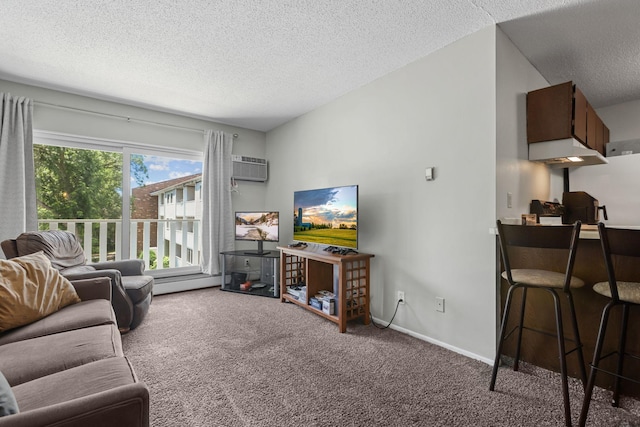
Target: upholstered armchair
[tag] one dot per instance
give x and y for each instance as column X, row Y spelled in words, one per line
column 131, row 289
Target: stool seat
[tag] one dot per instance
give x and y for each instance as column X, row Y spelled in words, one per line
column 627, row 291
column 543, row 278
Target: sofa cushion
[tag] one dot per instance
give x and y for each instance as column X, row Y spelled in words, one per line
column 30, row 289
column 74, row 383
column 26, row 360
column 137, row 287
column 61, row 247
column 81, row 315
column 8, row 404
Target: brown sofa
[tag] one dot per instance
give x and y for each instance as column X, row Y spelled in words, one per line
column 132, row 290
column 68, row 369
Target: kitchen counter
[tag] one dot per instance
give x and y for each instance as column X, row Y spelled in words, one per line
column 587, row 231
column 591, row 231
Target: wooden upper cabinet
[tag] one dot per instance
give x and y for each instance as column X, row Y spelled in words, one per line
column 562, row 111
column 592, row 127
column 549, row 113
column 580, row 116
column 599, row 135
column 602, row 135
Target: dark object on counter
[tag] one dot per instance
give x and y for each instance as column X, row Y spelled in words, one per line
column 546, row 209
column 617, row 243
column 581, row 206
column 534, row 276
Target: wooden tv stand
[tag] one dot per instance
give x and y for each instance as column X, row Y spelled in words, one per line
column 315, row 269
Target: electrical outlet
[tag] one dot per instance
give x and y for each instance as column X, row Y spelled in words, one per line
column 401, row 297
column 246, row 262
column 440, row 304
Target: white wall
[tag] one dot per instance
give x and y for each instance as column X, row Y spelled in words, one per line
column 515, row 174
column 430, row 239
column 622, row 120
column 616, row 184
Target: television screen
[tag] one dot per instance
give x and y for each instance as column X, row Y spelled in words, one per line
column 327, row 216
column 257, row 226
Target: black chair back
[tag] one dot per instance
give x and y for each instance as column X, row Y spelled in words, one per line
column 619, row 242
column 545, row 237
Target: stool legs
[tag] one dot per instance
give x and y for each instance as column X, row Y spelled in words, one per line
column 578, row 341
column 594, row 365
column 562, row 353
column 516, row 363
column 563, row 358
column 503, row 328
column 621, row 350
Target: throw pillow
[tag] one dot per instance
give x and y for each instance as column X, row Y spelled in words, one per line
column 8, row 404
column 30, row 289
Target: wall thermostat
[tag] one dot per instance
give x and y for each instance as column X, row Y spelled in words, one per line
column 429, row 174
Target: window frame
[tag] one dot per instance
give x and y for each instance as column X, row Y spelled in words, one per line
column 126, row 148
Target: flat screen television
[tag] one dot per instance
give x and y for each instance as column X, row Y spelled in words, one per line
column 327, row 216
column 257, row 226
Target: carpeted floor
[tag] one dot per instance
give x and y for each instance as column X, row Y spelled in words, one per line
column 215, row 358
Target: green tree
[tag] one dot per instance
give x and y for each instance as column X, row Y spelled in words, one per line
column 77, row 183
column 153, row 260
column 139, row 170
column 74, row 183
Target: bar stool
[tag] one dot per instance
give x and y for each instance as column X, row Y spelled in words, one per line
column 622, row 246
column 562, row 240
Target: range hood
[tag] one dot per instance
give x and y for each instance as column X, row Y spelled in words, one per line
column 564, row 153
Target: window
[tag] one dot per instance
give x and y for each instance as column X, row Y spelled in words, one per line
column 82, row 186
column 80, row 190
column 191, row 193
column 167, row 177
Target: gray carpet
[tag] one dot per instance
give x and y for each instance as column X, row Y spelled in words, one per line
column 215, row 358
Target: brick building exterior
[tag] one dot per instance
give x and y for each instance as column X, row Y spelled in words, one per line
column 145, row 206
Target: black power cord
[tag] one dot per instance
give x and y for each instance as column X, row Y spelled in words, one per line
column 390, row 321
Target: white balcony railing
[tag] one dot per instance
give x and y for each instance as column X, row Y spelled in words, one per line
column 173, row 239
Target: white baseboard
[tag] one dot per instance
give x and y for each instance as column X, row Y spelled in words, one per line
column 179, row 284
column 436, row 342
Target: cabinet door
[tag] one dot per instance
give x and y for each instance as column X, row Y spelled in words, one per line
column 549, row 113
column 592, row 127
column 579, row 116
column 599, row 135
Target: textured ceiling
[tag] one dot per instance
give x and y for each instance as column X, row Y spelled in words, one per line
column 259, row 63
column 597, row 45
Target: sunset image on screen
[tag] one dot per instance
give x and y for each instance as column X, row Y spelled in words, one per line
column 327, row 216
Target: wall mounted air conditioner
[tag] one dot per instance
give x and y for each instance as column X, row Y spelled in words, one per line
column 248, row 168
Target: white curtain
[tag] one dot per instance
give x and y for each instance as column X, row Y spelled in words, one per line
column 17, row 180
column 217, row 215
